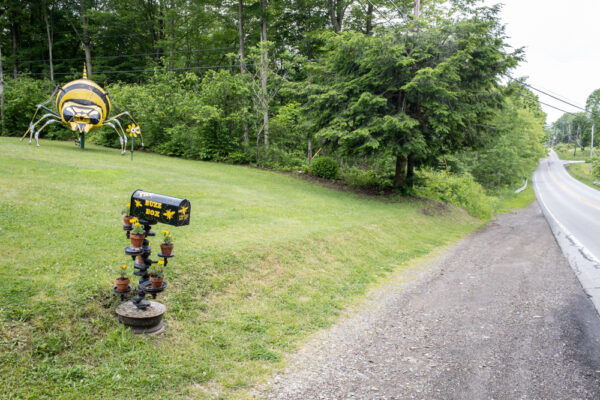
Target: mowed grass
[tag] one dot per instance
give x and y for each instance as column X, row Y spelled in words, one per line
column 510, row 201
column 565, row 152
column 581, row 172
column 267, row 260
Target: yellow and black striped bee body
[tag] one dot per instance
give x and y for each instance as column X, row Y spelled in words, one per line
column 83, row 105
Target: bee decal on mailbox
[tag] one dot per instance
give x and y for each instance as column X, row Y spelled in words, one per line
column 156, row 207
column 82, row 105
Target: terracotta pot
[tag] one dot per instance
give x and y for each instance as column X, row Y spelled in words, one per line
column 122, row 284
column 127, row 220
column 136, row 240
column 140, row 260
column 166, row 249
column 156, row 281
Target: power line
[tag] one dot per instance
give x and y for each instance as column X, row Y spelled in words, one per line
column 396, row 7
column 198, row 67
column 379, row 12
column 547, row 94
column 557, row 94
column 133, row 55
column 556, row 108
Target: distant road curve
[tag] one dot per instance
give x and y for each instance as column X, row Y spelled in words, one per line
column 573, row 212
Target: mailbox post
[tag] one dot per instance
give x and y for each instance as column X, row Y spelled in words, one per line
column 150, row 208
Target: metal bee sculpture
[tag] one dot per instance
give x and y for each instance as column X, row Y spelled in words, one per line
column 82, row 105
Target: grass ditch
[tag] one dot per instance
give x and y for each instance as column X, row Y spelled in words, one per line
column 267, row 260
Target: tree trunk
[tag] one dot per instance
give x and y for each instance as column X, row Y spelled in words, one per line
column 410, row 169
column 14, row 27
column 242, row 36
column 85, row 39
column 335, row 14
column 88, row 59
column 243, row 61
column 400, row 175
column 171, row 35
column 1, row 94
column 264, row 64
column 416, row 9
column 309, row 152
column 171, row 65
column 49, row 34
column 369, row 28
column 416, row 14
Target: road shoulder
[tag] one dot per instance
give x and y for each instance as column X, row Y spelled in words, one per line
column 501, row 315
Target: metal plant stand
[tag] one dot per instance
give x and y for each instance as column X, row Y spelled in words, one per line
column 142, row 315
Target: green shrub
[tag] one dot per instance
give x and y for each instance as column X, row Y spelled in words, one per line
column 21, row 96
column 596, row 165
column 359, row 178
column 239, row 157
column 324, row 167
column 276, row 158
column 460, row 190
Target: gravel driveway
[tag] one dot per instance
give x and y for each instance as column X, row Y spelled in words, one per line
column 500, row 316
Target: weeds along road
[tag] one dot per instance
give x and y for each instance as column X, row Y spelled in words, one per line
column 500, row 316
column 573, row 211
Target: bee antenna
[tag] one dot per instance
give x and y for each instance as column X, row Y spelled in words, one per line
column 84, row 71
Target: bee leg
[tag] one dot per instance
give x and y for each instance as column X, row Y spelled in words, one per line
column 31, row 129
column 118, row 123
column 37, row 134
column 122, row 137
column 37, row 109
column 32, row 126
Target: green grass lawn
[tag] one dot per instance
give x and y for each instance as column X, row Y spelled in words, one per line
column 509, row 200
column 267, row 259
column 581, row 172
column 565, row 152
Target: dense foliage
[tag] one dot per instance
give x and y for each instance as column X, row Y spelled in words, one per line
column 460, row 190
column 382, row 97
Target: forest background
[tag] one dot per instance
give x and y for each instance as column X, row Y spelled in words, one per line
column 383, row 95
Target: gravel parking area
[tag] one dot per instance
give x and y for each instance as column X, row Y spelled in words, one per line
column 500, row 316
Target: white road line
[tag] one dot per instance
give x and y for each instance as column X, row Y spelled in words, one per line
column 567, row 233
column 585, row 265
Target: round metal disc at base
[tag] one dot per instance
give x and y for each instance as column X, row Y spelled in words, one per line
column 148, row 321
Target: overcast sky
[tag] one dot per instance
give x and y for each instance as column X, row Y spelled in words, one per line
column 562, row 47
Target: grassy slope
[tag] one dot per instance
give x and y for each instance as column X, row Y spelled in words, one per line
column 267, row 259
column 581, row 172
column 511, row 200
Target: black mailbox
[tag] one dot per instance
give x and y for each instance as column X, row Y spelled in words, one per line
column 155, row 207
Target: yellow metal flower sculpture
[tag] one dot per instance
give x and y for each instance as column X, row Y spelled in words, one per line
column 133, row 130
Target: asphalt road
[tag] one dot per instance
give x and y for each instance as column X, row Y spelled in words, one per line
column 573, row 211
column 501, row 316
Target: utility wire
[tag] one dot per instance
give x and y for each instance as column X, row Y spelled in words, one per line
column 396, row 7
column 380, row 13
column 547, row 94
column 557, row 94
column 198, row 67
column 142, row 70
column 134, row 55
column 556, row 108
